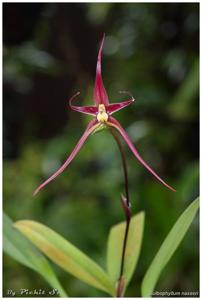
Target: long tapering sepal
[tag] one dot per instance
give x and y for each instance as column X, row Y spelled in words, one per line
column 100, row 94
column 114, row 123
column 90, row 128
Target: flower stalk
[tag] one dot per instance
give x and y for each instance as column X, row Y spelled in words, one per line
column 124, row 164
column 127, row 210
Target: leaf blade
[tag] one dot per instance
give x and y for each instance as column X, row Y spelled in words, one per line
column 66, row 255
column 20, row 249
column 133, row 246
column 168, row 247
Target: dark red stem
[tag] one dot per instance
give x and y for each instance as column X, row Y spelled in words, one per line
column 125, row 170
column 127, row 210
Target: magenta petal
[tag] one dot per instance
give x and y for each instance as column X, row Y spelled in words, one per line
column 91, row 126
column 100, row 94
column 114, row 123
column 112, row 108
column 89, row 110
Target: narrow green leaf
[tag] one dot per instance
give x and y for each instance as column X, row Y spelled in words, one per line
column 168, row 247
column 20, row 249
column 66, row 255
column 115, row 245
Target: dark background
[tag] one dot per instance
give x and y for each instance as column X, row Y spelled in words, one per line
column 49, row 53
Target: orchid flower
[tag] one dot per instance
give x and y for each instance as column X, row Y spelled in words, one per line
column 102, row 112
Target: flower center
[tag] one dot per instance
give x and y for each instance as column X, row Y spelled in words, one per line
column 102, row 116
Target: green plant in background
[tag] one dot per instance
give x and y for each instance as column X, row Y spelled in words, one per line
column 18, row 247
column 75, row 262
column 125, row 239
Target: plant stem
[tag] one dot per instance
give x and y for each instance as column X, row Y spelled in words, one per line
column 125, row 170
column 127, row 210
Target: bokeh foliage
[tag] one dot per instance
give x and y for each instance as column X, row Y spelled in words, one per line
column 49, row 53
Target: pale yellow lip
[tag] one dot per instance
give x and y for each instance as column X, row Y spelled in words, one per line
column 102, row 116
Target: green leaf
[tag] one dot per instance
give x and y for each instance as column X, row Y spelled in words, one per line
column 20, row 249
column 66, row 255
column 115, row 245
column 168, row 247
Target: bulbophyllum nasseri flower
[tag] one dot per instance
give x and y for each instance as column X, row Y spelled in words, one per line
column 102, row 112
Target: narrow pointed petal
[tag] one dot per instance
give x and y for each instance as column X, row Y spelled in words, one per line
column 89, row 110
column 114, row 123
column 112, row 108
column 90, row 128
column 100, row 94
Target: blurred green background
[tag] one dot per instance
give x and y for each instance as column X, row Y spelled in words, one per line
column 50, row 52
